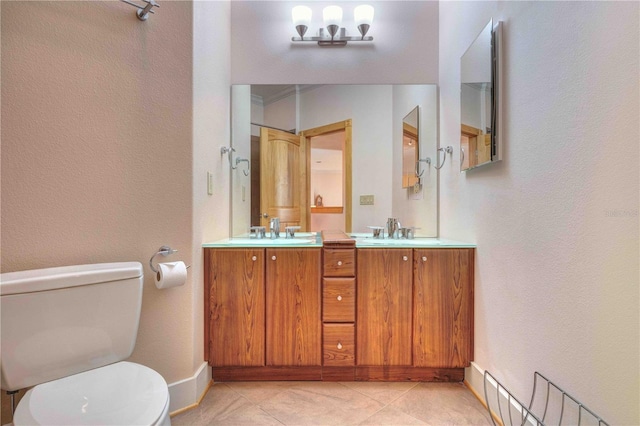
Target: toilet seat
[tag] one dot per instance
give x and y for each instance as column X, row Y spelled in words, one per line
column 123, row 393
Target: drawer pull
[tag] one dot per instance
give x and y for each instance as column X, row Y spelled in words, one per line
column 424, row 258
column 339, row 262
column 273, row 258
column 339, row 345
column 405, row 258
column 339, row 298
column 254, row 258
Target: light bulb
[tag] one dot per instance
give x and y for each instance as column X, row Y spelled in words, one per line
column 363, row 15
column 301, row 16
column 332, row 16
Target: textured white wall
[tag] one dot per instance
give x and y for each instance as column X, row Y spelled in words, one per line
column 421, row 211
column 109, row 126
column 371, row 135
column 281, row 114
column 211, row 100
column 97, row 151
column 242, row 108
column 556, row 222
column 405, row 48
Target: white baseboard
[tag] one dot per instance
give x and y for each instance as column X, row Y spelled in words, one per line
column 187, row 392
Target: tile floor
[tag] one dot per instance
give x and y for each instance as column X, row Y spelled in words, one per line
column 336, row 403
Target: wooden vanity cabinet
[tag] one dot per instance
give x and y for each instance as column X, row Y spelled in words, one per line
column 293, row 297
column 262, row 311
column 235, row 321
column 384, row 307
column 339, row 313
column 443, row 308
column 338, row 307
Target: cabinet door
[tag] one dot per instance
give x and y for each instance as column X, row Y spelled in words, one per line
column 443, row 308
column 384, row 302
column 236, row 301
column 294, row 331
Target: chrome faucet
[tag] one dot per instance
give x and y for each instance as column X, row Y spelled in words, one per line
column 393, row 228
column 274, row 228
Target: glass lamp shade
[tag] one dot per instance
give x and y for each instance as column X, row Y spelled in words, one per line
column 332, row 15
column 363, row 14
column 301, row 16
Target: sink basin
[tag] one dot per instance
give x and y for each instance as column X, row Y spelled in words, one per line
column 270, row 242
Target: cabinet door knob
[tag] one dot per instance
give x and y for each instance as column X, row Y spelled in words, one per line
column 339, row 262
column 254, row 258
column 339, row 345
column 405, row 258
column 424, row 258
column 339, row 298
column 273, row 258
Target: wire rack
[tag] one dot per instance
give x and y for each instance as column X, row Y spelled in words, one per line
column 549, row 405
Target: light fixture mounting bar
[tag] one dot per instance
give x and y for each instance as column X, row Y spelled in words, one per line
column 326, row 40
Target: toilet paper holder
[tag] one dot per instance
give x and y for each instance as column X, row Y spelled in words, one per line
column 165, row 251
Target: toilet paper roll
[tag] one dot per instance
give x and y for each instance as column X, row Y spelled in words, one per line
column 171, row 274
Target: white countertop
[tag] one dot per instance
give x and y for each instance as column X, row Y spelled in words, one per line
column 312, row 239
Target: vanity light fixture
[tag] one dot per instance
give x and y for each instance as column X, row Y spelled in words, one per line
column 332, row 16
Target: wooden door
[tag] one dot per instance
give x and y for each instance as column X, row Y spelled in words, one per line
column 484, row 148
column 469, row 141
column 236, row 307
column 294, row 331
column 443, row 308
column 384, row 303
column 283, row 178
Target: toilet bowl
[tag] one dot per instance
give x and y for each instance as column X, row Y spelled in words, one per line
column 123, row 393
column 67, row 331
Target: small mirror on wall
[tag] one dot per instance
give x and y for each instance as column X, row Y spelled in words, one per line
column 480, row 105
column 410, row 148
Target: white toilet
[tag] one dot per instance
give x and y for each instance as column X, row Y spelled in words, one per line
column 67, row 331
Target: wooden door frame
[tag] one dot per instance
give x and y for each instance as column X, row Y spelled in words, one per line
column 473, row 134
column 346, row 160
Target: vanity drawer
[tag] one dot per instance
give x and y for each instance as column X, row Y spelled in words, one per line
column 339, row 299
column 339, row 262
column 338, row 344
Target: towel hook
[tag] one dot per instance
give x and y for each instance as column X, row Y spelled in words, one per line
column 229, row 151
column 244, row 160
column 143, row 11
column 422, row 160
column 447, row 150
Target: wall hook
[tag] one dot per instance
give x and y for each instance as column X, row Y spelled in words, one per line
column 229, row 151
column 244, row 160
column 422, row 160
column 143, row 11
column 447, row 150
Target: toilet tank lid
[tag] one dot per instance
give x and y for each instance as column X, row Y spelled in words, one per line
column 67, row 276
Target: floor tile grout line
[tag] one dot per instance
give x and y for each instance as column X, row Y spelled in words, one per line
column 406, row 414
column 254, row 403
column 388, row 405
column 260, row 406
column 385, row 404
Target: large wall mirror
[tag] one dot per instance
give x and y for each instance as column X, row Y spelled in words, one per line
column 480, row 106
column 327, row 157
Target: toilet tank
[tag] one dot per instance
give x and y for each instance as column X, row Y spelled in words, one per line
column 56, row 322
